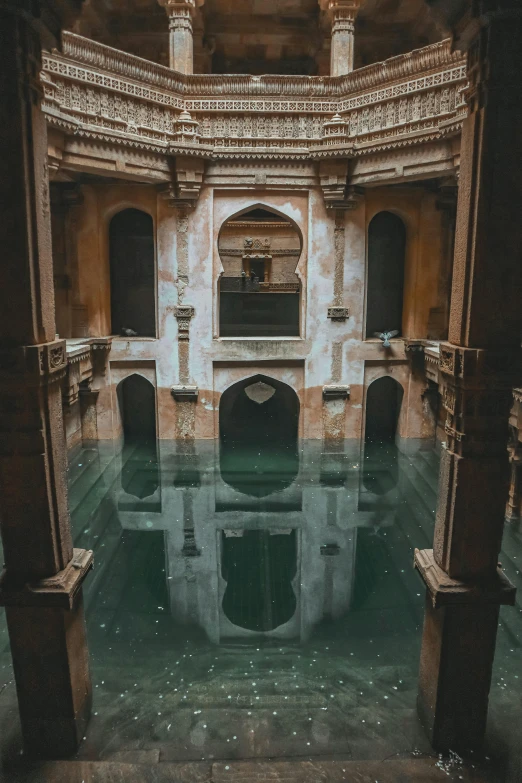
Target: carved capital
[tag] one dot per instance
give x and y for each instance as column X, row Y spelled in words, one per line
column 57, row 591
column 38, row 364
column 446, row 591
column 184, row 314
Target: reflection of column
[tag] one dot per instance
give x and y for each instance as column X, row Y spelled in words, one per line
column 478, row 367
column 88, row 414
column 344, row 13
column 41, row 586
column 181, row 43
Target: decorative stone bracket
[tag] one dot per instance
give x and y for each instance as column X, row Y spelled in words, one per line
column 183, row 393
column 184, row 314
column 188, row 180
column 338, row 313
column 336, row 392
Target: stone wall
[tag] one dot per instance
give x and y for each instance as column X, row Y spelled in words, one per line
column 331, row 270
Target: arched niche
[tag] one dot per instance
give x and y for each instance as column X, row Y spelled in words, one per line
column 132, row 265
column 140, row 476
column 259, row 290
column 385, row 281
column 258, row 431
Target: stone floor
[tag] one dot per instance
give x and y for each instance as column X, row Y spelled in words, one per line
column 341, row 696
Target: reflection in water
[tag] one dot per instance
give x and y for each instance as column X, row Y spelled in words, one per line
column 253, row 595
column 140, row 474
column 258, row 568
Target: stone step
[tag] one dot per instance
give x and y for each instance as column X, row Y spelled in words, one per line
column 411, row 770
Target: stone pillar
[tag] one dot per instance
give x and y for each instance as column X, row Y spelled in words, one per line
column 181, row 42
column 479, row 367
column 41, row 585
column 343, row 15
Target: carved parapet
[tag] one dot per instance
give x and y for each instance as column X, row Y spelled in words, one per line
column 445, row 591
column 95, row 92
column 477, row 393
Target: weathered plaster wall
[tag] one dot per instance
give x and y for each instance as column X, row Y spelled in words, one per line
column 327, row 351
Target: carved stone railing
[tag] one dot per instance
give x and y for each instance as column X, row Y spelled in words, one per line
column 95, row 91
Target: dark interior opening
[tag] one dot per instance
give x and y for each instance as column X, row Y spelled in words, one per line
column 386, row 257
column 383, row 405
column 258, row 428
column 131, row 248
column 259, row 314
column 259, row 568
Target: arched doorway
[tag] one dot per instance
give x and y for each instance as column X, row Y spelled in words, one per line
column 258, row 432
column 259, row 290
column 140, row 468
column 383, row 406
column 385, row 284
column 131, row 254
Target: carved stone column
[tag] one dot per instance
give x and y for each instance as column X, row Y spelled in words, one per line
column 479, row 366
column 181, row 42
column 41, row 585
column 343, row 14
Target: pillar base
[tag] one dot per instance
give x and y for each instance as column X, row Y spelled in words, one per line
column 49, row 648
column 458, row 646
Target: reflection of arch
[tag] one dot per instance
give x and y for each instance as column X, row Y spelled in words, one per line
column 383, row 406
column 385, row 281
column 140, row 468
column 259, row 290
column 259, row 568
column 131, row 256
column 258, row 430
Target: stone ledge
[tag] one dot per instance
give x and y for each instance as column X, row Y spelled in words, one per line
column 445, row 591
column 57, row 591
column 408, row 770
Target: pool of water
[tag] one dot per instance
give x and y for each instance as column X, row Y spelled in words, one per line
column 251, row 603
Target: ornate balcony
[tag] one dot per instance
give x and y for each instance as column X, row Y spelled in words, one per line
column 94, row 92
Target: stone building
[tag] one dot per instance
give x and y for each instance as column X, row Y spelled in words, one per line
column 213, row 210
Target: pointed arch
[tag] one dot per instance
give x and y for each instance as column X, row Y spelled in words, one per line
column 259, row 291
column 137, row 402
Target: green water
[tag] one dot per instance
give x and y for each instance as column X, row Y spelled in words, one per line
column 263, row 604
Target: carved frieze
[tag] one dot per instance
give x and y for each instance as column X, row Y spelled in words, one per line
column 94, row 91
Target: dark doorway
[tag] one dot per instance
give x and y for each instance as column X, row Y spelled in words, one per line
column 386, row 256
column 259, row 568
column 131, row 248
column 258, row 428
column 383, row 406
column 140, row 474
column 137, row 399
